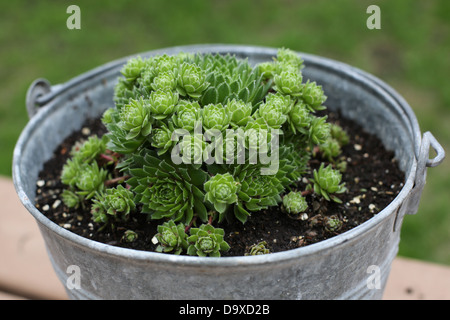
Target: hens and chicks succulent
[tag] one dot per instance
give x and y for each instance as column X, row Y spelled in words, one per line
column 161, row 104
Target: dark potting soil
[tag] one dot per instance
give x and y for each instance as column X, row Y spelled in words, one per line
column 372, row 178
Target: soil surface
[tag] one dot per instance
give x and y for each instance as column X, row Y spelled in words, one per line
column 372, row 178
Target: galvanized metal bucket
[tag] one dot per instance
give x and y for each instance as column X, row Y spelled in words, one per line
column 353, row 265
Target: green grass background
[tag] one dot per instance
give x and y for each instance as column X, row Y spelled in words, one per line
column 411, row 52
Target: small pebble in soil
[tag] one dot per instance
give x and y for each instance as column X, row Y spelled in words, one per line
column 86, row 131
column 56, row 204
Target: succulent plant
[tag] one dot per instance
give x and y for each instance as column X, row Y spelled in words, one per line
column 135, row 118
column 90, row 149
column 281, row 102
column 221, row 191
column 288, row 57
column 166, row 190
column 187, row 115
column 129, row 236
column 319, row 130
column 313, row 96
column 341, row 166
column 267, row 69
column 294, row 202
column 116, row 203
column 71, row 171
column 299, row 118
column 239, row 112
column 256, row 192
column 107, row 116
column 231, row 79
column 91, row 180
column 257, row 134
column 215, row 116
column 339, row 134
column 171, row 238
column 258, row 249
column 327, row 182
column 206, row 241
column 332, row 223
column 293, row 163
column 85, row 178
column 191, row 81
column 118, row 138
column 162, row 103
column 289, row 83
column 330, row 149
column 165, row 81
column 274, row 111
column 132, row 69
column 166, row 63
column 169, row 142
column 162, row 138
column 192, row 149
column 70, row 198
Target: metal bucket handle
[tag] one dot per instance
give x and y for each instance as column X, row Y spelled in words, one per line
column 423, row 161
column 38, row 89
column 411, row 204
column 427, row 141
column 42, row 92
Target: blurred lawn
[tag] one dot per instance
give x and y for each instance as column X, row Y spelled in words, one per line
column 411, row 52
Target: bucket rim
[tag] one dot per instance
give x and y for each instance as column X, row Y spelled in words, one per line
column 321, row 247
